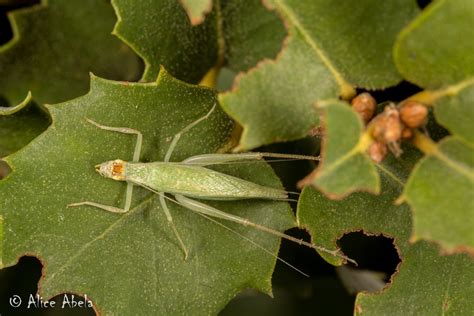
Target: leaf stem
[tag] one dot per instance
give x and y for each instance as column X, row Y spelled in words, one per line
column 429, row 97
column 425, row 144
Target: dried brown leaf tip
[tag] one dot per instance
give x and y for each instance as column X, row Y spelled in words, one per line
column 317, row 131
column 365, row 105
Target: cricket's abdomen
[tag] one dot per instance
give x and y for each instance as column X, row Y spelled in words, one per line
column 196, row 181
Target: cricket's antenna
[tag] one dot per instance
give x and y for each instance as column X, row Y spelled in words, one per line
column 256, row 245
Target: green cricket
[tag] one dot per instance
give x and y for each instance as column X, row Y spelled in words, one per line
column 189, row 181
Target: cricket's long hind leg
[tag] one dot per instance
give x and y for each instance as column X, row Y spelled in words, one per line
column 212, row 159
column 211, row 211
column 176, row 137
column 171, row 223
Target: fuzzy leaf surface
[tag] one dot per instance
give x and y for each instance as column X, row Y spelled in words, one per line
column 162, row 34
column 236, row 33
column 427, row 283
column 132, row 263
column 435, row 50
column 251, row 33
column 440, row 192
column 456, row 111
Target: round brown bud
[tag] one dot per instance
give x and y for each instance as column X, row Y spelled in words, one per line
column 377, row 151
column 365, row 105
column 413, row 114
column 393, row 126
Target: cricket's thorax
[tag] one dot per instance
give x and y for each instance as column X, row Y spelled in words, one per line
column 196, row 181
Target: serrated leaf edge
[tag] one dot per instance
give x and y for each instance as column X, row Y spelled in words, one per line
column 14, row 25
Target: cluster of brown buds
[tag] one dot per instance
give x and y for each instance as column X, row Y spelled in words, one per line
column 390, row 127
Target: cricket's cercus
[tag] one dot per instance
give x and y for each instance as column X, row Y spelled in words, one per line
column 190, row 180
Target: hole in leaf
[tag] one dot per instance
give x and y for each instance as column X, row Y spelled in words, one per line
column 295, row 294
column 21, row 281
column 395, row 94
column 377, row 261
column 6, row 33
column 423, row 3
column 4, row 169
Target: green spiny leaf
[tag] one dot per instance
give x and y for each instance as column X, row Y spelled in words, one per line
column 234, row 34
column 167, row 38
column 426, row 283
column 131, row 263
column 56, row 45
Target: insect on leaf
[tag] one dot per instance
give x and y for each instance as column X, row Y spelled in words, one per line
column 131, row 263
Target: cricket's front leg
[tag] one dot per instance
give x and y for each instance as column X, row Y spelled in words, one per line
column 108, row 208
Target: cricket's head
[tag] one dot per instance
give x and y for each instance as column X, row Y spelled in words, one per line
column 111, row 169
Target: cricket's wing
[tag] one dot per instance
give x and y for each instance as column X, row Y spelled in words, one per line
column 198, row 182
